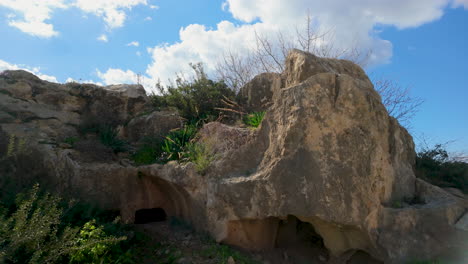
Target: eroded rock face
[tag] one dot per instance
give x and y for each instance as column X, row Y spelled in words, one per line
column 258, row 93
column 327, row 156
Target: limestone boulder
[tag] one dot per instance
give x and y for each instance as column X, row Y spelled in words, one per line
column 329, row 154
column 257, row 94
column 327, row 163
column 154, row 124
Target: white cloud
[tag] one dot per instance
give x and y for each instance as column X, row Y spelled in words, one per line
column 134, row 44
column 148, row 18
column 35, row 15
column 154, row 7
column 103, row 38
column 36, row 70
column 112, row 11
column 463, row 3
column 118, row 76
column 138, row 54
column 352, row 21
column 69, row 79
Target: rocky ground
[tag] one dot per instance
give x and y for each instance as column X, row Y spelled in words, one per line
column 176, row 242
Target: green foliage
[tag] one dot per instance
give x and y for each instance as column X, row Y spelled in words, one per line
column 196, row 100
column 254, row 119
column 71, row 140
column 108, row 137
column 435, row 166
column 150, row 151
column 223, row 252
column 37, row 230
column 93, row 245
column 15, row 145
column 176, row 141
column 31, row 234
column 397, row 204
column 200, row 155
column 167, row 254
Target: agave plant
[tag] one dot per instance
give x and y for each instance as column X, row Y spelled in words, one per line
column 254, row 119
column 176, row 141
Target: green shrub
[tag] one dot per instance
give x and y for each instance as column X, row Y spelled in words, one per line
column 93, row 245
column 175, row 143
column 222, row 253
column 200, row 155
column 196, row 100
column 150, row 151
column 71, row 140
column 434, row 165
column 37, row 231
column 108, row 137
column 254, row 119
column 15, row 146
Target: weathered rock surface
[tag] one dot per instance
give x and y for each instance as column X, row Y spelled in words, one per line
column 258, row 93
column 327, row 155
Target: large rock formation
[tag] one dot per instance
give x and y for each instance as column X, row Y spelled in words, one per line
column 327, row 155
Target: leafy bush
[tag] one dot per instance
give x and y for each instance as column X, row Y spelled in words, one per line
column 254, row 119
column 93, row 245
column 37, row 230
column 34, row 232
column 176, row 141
column 108, row 137
column 71, row 140
column 200, row 155
column 15, row 145
column 150, row 151
column 434, row 165
column 222, row 253
column 196, row 100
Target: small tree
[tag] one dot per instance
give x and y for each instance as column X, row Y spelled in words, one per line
column 198, row 99
column 269, row 55
column 398, row 100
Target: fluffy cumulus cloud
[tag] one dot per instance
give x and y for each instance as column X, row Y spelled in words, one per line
column 69, row 80
column 36, row 13
column 134, row 44
column 103, row 38
column 118, row 76
column 112, row 11
column 33, row 15
column 35, row 70
column 353, row 23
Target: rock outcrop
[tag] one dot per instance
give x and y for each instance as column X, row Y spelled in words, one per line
column 327, row 155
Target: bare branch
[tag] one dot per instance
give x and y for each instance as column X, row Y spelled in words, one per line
column 269, row 54
column 398, row 100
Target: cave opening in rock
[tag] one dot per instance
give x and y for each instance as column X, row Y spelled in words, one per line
column 144, row 216
column 301, row 241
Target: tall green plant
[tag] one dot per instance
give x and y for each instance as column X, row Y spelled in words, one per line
column 200, row 154
column 197, row 99
column 254, row 119
column 176, row 141
column 108, row 136
column 35, row 233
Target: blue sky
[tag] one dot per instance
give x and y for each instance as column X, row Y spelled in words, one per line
column 418, row 43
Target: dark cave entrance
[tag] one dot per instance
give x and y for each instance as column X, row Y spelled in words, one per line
column 301, row 241
column 144, row 216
